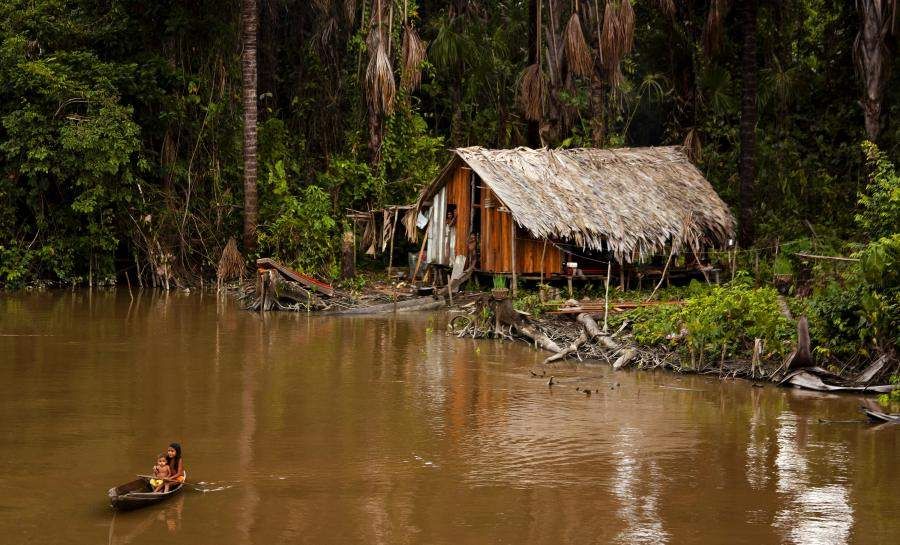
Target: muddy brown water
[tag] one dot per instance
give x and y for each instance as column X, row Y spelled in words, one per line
column 385, row 430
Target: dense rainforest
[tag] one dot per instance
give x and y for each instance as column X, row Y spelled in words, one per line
column 122, row 122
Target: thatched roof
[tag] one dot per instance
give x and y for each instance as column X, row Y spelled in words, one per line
column 633, row 201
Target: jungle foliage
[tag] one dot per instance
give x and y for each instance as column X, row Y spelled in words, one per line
column 121, row 122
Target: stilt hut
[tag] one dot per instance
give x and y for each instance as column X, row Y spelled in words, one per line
column 530, row 211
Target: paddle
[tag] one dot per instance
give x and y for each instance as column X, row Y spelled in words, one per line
column 194, row 486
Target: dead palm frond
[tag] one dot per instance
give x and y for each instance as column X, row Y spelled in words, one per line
column 692, row 146
column 380, row 86
column 323, row 6
column 667, row 6
column 350, row 10
column 231, row 264
column 532, row 92
column 578, row 54
column 617, row 38
column 714, row 30
column 413, row 54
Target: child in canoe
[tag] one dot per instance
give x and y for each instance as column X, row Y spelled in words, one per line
column 161, row 472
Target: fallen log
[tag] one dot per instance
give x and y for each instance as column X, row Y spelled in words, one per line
column 576, row 344
column 538, row 337
column 626, row 357
column 410, row 305
column 590, row 326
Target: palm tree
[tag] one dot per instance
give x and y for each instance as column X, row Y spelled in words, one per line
column 747, row 164
column 249, row 27
column 872, row 56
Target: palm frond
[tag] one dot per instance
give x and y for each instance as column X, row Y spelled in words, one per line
column 380, row 86
column 617, row 38
column 413, row 54
column 692, row 146
column 350, row 10
column 578, row 54
column 714, row 30
column 323, row 6
column 532, row 91
column 667, row 6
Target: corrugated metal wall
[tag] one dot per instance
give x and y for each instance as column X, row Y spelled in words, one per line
column 435, row 251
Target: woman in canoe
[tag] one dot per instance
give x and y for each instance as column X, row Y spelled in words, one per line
column 176, row 464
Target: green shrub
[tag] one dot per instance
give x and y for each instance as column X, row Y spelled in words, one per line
column 733, row 315
column 880, row 203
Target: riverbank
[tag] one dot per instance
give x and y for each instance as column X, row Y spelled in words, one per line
column 730, row 331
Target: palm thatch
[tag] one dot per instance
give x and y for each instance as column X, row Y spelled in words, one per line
column 532, row 92
column 380, row 85
column 413, row 54
column 578, row 54
column 630, row 201
column 617, row 37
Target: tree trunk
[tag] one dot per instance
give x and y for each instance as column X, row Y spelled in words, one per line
column 747, row 168
column 533, row 134
column 249, row 27
column 872, row 56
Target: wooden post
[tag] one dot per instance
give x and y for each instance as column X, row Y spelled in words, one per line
column 606, row 298
column 512, row 242
column 393, row 234
column 543, row 256
column 419, row 259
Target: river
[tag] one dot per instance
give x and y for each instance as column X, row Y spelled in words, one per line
column 304, row 429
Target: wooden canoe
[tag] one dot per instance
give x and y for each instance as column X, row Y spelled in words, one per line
column 138, row 493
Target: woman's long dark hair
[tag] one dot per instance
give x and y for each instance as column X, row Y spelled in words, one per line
column 173, row 462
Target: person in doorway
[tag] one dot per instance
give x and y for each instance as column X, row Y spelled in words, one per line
column 175, row 463
column 450, row 248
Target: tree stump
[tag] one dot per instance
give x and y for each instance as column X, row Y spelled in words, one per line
column 348, row 256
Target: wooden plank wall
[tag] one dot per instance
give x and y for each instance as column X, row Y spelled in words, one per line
column 496, row 253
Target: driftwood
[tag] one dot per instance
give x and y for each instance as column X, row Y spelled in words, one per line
column 879, row 416
column 590, row 326
column 410, row 305
column 626, row 357
column 562, row 354
column 814, row 378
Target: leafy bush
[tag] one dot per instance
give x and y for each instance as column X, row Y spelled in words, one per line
column 733, row 315
column 880, row 203
column 302, row 231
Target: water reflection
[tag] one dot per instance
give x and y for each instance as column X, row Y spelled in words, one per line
column 814, row 512
column 147, row 525
column 636, row 485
